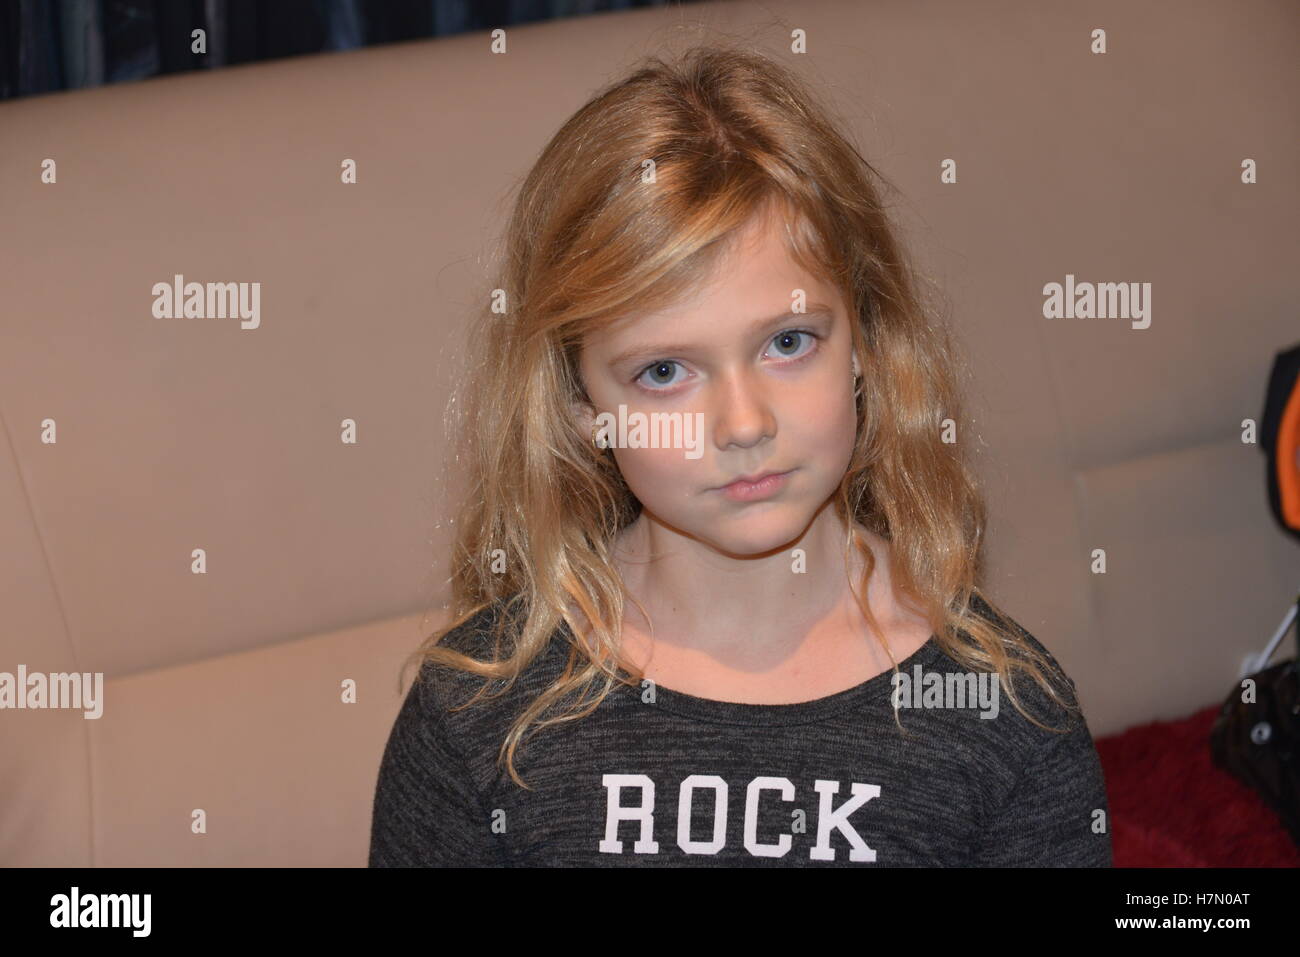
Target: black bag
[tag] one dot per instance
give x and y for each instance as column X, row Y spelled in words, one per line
column 1259, row 742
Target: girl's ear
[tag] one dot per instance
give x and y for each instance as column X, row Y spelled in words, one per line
column 856, row 370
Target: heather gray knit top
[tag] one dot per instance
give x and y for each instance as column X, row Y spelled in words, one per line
column 655, row 777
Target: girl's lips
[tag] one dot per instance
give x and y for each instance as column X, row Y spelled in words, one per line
column 767, row 486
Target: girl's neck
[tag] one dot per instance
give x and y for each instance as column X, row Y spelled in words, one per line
column 726, row 606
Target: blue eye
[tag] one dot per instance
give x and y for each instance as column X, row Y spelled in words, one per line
column 790, row 334
column 659, row 367
column 664, row 367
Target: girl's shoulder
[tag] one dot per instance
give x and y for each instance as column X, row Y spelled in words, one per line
column 1016, row 638
column 486, row 636
column 1034, row 660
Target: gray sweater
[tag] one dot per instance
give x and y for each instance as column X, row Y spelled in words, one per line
column 654, row 777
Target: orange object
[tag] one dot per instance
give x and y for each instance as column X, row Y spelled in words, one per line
column 1280, row 439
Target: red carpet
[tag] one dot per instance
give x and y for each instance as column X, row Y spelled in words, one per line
column 1171, row 807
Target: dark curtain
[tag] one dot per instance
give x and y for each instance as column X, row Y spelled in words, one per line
column 48, row 45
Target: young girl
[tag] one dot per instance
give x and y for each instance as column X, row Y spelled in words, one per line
column 752, row 636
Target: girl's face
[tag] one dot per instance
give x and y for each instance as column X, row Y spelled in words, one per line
column 775, row 389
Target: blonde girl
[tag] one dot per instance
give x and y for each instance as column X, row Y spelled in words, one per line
column 749, row 633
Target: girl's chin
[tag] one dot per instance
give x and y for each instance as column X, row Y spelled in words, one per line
column 756, row 538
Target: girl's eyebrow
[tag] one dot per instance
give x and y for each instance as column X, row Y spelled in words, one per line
column 646, row 353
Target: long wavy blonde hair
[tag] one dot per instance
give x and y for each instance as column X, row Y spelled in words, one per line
column 591, row 238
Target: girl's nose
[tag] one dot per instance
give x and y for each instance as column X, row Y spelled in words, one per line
column 741, row 413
